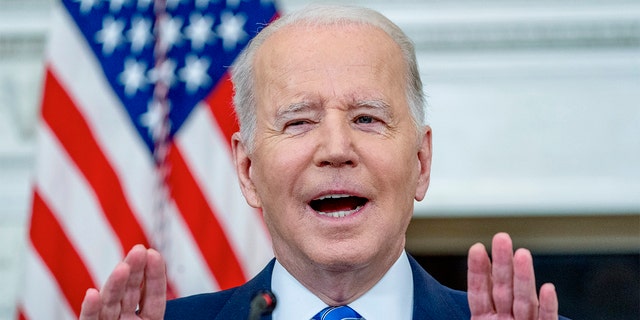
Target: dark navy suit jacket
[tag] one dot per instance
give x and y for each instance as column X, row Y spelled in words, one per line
column 431, row 300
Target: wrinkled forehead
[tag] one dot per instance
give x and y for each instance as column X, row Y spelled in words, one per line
column 305, row 45
column 306, row 33
column 337, row 65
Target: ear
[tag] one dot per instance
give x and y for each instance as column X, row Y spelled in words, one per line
column 424, row 161
column 242, row 162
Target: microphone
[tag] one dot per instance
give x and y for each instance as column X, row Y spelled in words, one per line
column 262, row 303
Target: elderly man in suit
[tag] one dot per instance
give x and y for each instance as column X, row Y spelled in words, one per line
column 334, row 149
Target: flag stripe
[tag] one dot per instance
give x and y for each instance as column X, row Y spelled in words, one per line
column 59, row 254
column 42, row 297
column 206, row 230
column 81, row 75
column 206, row 153
column 60, row 113
column 220, row 102
column 78, row 212
column 98, row 187
column 185, row 263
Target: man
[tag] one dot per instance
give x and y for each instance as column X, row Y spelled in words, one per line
column 334, row 150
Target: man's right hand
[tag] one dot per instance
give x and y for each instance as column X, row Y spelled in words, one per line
column 138, row 283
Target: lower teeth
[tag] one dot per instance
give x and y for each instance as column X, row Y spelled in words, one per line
column 338, row 214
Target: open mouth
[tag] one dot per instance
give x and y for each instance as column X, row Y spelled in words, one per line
column 337, row 205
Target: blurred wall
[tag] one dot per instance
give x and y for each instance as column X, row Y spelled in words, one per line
column 535, row 107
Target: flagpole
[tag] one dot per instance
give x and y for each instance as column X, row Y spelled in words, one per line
column 162, row 135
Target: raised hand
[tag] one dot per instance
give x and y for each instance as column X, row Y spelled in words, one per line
column 506, row 288
column 136, row 289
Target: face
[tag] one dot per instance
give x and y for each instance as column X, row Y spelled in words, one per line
column 338, row 160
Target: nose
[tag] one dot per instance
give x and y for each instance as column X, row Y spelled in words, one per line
column 336, row 144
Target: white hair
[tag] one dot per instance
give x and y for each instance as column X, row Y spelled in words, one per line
column 243, row 76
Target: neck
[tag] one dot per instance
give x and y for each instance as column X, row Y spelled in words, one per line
column 341, row 284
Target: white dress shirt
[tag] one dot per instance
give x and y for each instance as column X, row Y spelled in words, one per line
column 390, row 298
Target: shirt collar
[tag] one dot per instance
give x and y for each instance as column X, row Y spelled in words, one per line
column 390, row 298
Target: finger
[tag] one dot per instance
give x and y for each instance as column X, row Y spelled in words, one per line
column 548, row 303
column 136, row 259
column 153, row 301
column 91, row 305
column 113, row 290
column 525, row 305
column 479, row 281
column 502, row 273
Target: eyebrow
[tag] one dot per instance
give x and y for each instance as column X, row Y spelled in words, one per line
column 293, row 108
column 286, row 113
column 375, row 104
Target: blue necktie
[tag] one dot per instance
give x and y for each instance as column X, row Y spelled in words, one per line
column 337, row 313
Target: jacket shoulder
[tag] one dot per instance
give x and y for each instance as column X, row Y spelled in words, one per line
column 233, row 303
column 199, row 306
column 434, row 301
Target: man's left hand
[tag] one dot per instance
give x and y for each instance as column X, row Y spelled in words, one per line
column 505, row 288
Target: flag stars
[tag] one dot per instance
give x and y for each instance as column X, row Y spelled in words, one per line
column 233, row 3
column 231, row 30
column 194, row 73
column 173, row 4
column 87, row 5
column 154, row 119
column 203, row 4
column 170, row 32
column 164, row 73
column 139, row 34
column 150, row 54
column 144, row 4
column 199, row 30
column 116, row 5
column 111, row 35
column 133, row 76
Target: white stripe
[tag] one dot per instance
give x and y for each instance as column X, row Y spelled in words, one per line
column 188, row 270
column 69, row 196
column 41, row 296
column 125, row 151
column 80, row 74
column 207, row 154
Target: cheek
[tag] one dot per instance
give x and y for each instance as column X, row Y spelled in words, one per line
column 397, row 168
column 278, row 173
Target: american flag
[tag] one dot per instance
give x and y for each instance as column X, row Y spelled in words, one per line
column 134, row 147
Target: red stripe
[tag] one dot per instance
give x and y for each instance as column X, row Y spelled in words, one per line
column 202, row 222
column 72, row 130
column 58, row 253
column 220, row 101
column 69, row 125
column 221, row 105
column 20, row 315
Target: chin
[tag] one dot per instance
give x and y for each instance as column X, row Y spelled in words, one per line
column 345, row 259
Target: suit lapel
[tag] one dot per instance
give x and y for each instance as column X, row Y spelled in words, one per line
column 237, row 307
column 431, row 300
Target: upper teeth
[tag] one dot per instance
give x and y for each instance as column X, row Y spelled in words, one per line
column 337, row 214
column 334, row 196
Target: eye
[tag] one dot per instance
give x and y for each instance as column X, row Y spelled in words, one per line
column 297, row 123
column 364, row 119
column 298, row 126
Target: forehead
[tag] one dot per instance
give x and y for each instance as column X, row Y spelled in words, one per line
column 357, row 57
column 309, row 40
